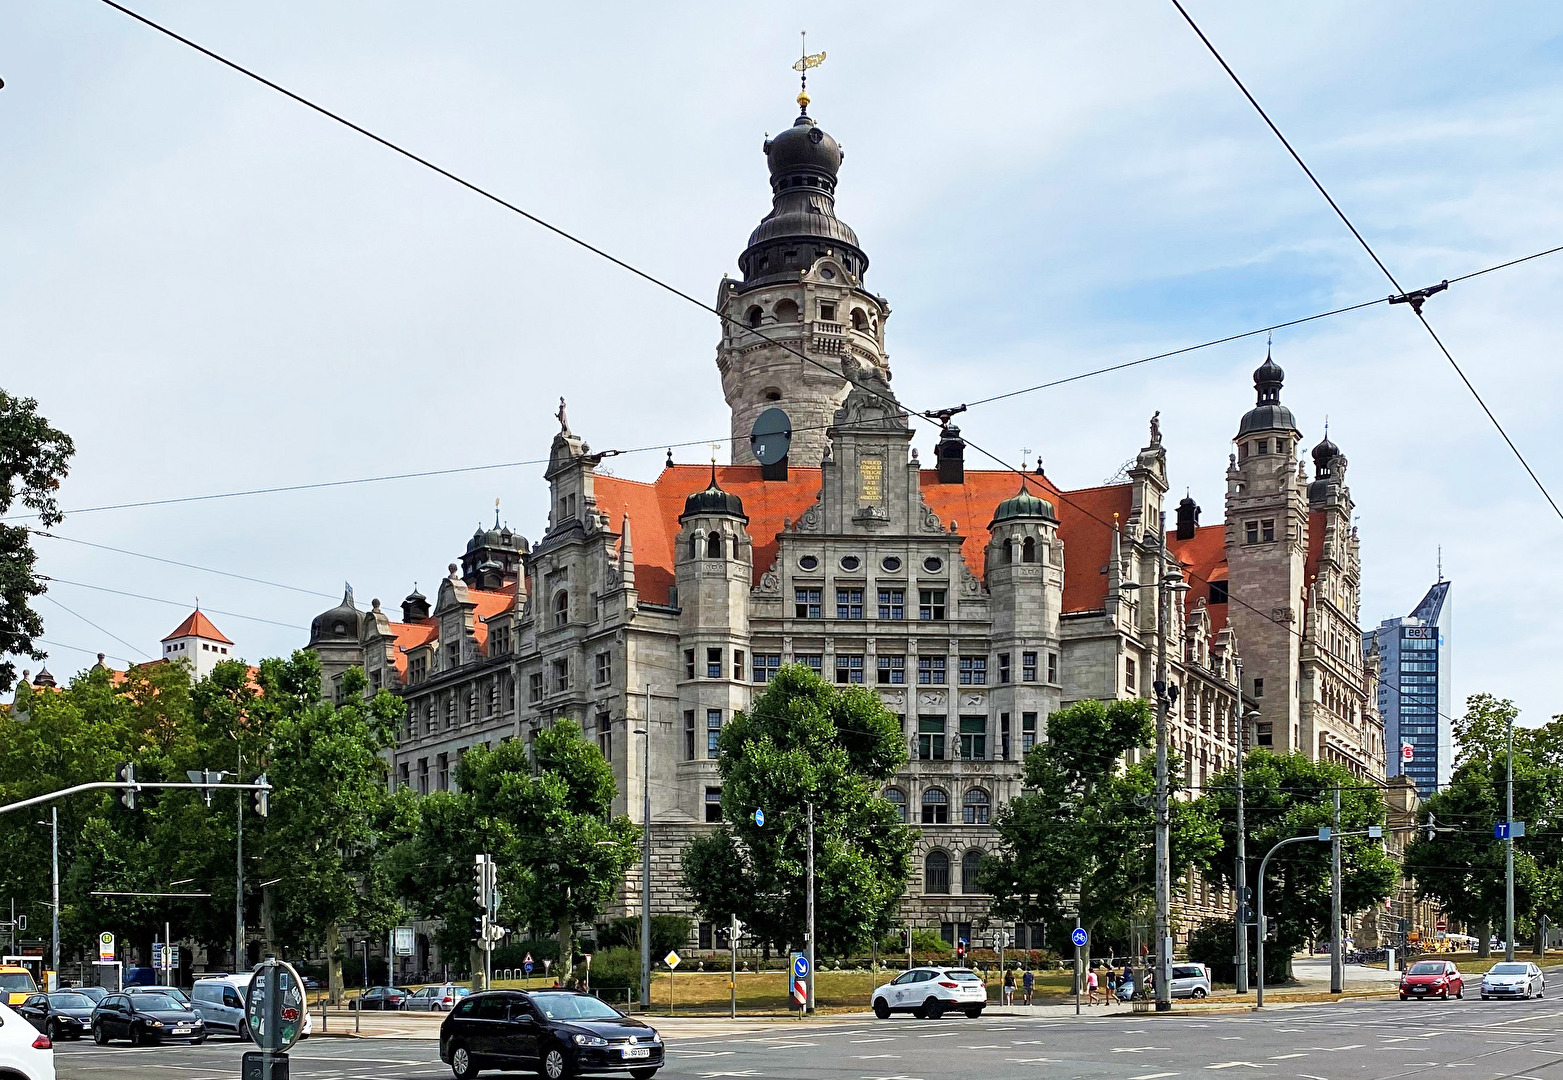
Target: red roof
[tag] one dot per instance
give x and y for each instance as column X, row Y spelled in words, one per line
column 198, row 625
column 1204, row 559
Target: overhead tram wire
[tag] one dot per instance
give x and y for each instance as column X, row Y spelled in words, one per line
column 186, row 565
column 1402, row 296
column 172, row 603
column 77, row 648
column 95, row 626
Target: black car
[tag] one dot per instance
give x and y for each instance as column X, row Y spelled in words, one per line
column 96, row 993
column 557, row 1033
column 381, row 998
column 145, row 1018
column 64, row 1014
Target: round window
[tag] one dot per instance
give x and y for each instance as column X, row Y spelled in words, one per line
column 809, row 562
column 891, row 563
column 850, row 562
column 827, row 273
column 933, row 564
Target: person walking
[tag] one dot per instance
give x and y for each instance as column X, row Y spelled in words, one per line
column 1090, row 986
column 1027, row 981
column 1009, row 986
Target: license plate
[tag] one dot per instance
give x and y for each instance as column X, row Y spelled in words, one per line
column 181, row 1031
column 637, row 1051
column 1419, row 989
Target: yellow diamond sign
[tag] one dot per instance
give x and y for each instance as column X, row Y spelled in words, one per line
column 671, row 960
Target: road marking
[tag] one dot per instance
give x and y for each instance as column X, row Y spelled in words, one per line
column 878, row 1038
column 745, row 1072
column 985, row 1046
column 1224, row 1037
column 938, row 1035
column 699, row 1053
column 1031, row 1061
column 1137, row 1049
column 1152, row 1076
column 1308, row 1076
column 1285, row 1057
column 1234, row 1065
column 789, row 1046
column 872, row 1057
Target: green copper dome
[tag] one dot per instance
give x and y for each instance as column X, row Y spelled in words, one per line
column 713, row 500
column 1023, row 504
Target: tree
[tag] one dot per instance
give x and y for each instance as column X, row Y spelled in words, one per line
column 1085, row 824
column 804, row 741
column 34, row 458
column 1285, row 796
column 329, row 790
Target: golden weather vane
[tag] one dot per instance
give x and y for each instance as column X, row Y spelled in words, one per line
column 801, row 66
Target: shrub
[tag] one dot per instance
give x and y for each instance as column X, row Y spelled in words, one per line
column 668, row 933
column 612, row 969
column 513, row 955
column 1213, row 942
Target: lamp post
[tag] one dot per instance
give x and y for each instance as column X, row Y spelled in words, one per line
column 54, row 908
column 645, row 863
column 1508, row 844
column 1323, row 836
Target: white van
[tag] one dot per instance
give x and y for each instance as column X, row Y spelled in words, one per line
column 219, row 999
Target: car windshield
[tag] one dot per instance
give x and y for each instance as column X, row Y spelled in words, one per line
column 70, row 1001
column 17, row 980
column 1509, row 969
column 1427, row 969
column 574, row 1007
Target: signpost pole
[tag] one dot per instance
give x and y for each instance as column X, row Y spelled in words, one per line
column 1508, row 845
column 55, row 930
column 732, row 942
column 809, row 1007
column 1242, row 851
column 1079, row 939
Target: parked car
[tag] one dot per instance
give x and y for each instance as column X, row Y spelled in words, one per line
column 1190, row 981
column 1517, row 979
column 928, row 993
column 16, row 983
column 96, row 993
column 557, row 1033
column 167, row 991
column 380, row 998
column 145, row 1018
column 24, row 1051
column 441, row 997
column 1432, row 978
column 220, row 1001
column 64, row 1014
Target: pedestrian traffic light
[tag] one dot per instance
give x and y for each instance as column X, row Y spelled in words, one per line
column 480, row 883
column 960, row 951
column 1269, row 927
column 126, row 774
column 262, row 797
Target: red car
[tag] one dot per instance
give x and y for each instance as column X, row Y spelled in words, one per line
column 1432, row 978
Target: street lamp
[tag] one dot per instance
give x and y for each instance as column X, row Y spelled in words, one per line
column 645, row 863
column 54, row 908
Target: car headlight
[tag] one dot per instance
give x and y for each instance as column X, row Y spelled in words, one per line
column 589, row 1040
column 157, row 1023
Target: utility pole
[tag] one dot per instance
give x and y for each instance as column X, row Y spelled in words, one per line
column 1508, row 845
column 810, row 943
column 1242, row 851
column 1163, row 865
column 645, row 864
column 54, row 931
column 1337, row 956
column 238, row 893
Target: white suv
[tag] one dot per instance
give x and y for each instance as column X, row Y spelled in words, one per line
column 928, row 993
column 24, row 1051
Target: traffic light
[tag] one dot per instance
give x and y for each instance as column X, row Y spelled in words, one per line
column 262, row 797
column 1269, row 927
column 960, row 951
column 480, row 882
column 1432, row 828
column 126, row 774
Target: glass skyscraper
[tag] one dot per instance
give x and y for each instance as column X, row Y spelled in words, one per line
column 1414, row 692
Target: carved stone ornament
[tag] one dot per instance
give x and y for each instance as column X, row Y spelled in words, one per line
column 930, row 521
column 973, row 701
column 811, row 519
column 931, row 699
column 1283, row 615
column 770, row 583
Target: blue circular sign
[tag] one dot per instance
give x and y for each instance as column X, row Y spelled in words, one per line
column 1079, row 937
column 800, row 967
column 528, row 967
column 759, row 817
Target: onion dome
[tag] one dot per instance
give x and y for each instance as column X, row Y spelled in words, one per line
column 713, row 500
column 1325, row 453
column 1023, row 504
column 803, row 162
column 415, row 607
column 340, row 623
column 1268, row 414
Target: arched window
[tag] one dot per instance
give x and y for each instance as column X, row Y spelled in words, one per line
column 859, row 320
column 694, row 547
column 1028, row 550
column 971, row 862
column 974, row 807
column 936, row 808
column 897, row 798
column 936, row 872
column 714, row 546
column 753, row 317
column 561, row 609
column 786, row 311
column 1009, row 552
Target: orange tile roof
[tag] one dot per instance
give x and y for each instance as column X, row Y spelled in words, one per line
column 1204, row 559
column 489, row 604
column 409, row 636
column 198, row 625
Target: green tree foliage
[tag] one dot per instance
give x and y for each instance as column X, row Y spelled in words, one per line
column 1284, row 796
column 34, row 458
column 668, row 932
column 804, row 741
column 1086, row 823
column 1461, row 867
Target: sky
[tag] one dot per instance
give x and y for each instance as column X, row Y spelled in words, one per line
column 213, row 289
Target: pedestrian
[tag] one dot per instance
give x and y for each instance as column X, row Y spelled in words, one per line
column 1090, row 985
column 1009, row 986
column 1027, row 981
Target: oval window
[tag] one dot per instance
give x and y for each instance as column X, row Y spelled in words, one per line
column 891, row 563
column 809, row 562
column 933, row 564
column 850, row 562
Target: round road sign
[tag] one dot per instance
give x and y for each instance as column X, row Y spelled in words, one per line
column 800, row 967
column 274, row 1006
column 1441, row 926
column 1079, row 937
column 759, row 817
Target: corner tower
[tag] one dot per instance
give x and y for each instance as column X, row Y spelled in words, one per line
column 801, row 292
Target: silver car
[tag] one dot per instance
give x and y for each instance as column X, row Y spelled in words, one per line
column 441, row 997
column 1190, row 980
column 1516, row 980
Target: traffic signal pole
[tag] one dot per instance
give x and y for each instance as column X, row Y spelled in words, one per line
column 1242, row 852
column 1508, row 845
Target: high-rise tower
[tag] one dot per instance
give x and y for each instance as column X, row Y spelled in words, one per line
column 1414, row 694
column 801, row 292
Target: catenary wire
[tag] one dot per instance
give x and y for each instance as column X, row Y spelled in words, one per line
column 1417, row 308
column 176, row 562
column 172, row 603
column 94, row 625
column 77, row 648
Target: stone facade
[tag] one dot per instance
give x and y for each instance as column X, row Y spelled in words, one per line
column 975, row 602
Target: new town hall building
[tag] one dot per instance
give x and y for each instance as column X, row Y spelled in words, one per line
column 976, row 602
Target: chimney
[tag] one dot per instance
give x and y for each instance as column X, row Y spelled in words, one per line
column 1188, row 518
column 950, row 454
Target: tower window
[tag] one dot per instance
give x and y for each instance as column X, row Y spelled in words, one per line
column 1267, row 529
column 827, row 311
column 754, row 316
column 1261, row 446
column 786, row 311
column 714, row 546
column 1028, row 667
column 713, row 663
column 1218, row 592
column 1028, row 550
column 1242, row 451
column 1252, row 531
column 1259, row 688
column 859, row 320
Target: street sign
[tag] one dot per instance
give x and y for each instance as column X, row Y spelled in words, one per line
column 1079, row 937
column 165, row 957
column 526, row 965
column 671, row 960
column 404, row 941
column 800, row 966
column 759, row 817
column 259, row 1065
column 274, row 1006
column 106, row 946
column 798, row 984
column 1508, row 830
column 1407, row 752
column 1441, row 925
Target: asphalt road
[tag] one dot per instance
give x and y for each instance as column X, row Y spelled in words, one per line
column 1377, row 1040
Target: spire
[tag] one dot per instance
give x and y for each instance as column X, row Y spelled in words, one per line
column 627, row 555
column 801, row 66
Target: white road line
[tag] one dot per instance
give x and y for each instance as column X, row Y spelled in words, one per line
column 1234, row 1065
column 1285, row 1057
column 1152, row 1076
column 878, row 1038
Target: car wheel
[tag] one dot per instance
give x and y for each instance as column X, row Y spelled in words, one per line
column 244, row 1031
column 462, row 1063
column 1484, row 997
column 1199, row 992
column 135, row 1035
column 1460, row 993
column 933, row 1008
column 556, row 1066
column 52, row 1029
column 1402, row 997
column 198, row 1042
column 976, row 1013
column 643, row 1074
column 100, row 1036
column 881, row 1009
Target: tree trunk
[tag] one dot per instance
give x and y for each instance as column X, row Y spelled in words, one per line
column 334, row 963
column 1484, row 942
column 567, row 949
